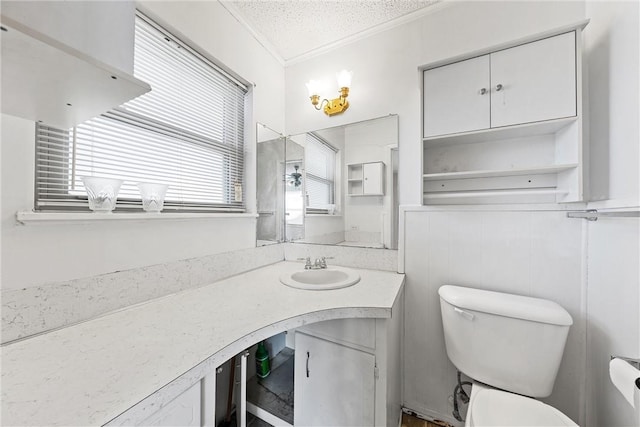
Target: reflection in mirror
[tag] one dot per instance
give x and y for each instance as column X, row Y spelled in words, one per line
column 270, row 194
column 294, row 192
column 348, row 194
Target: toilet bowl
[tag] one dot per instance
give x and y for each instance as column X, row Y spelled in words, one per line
column 491, row 407
column 511, row 347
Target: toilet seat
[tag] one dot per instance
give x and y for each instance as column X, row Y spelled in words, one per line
column 491, row 407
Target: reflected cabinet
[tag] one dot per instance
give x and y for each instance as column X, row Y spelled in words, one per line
column 365, row 179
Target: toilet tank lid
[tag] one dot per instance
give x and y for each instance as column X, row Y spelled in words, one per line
column 508, row 305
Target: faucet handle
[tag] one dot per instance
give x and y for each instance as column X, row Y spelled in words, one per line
column 323, row 261
column 307, row 262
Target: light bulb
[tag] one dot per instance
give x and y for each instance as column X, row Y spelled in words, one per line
column 314, row 87
column 344, row 78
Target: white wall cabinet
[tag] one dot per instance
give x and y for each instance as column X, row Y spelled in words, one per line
column 537, row 81
column 505, row 126
column 456, row 97
column 365, row 179
column 527, row 83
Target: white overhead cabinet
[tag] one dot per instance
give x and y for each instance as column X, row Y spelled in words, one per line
column 527, row 83
column 534, row 82
column 456, row 97
column 505, row 125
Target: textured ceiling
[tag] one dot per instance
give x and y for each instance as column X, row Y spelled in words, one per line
column 297, row 27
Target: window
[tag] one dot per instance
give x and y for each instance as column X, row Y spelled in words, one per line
column 187, row 132
column 320, row 165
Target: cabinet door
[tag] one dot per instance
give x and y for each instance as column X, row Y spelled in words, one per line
column 373, row 178
column 184, row 410
column 454, row 100
column 334, row 384
column 538, row 81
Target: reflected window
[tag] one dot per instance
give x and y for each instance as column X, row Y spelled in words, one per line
column 320, row 168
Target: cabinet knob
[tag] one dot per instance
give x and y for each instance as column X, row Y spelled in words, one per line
column 498, row 88
column 483, row 91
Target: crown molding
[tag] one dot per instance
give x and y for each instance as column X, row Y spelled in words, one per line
column 401, row 20
column 233, row 11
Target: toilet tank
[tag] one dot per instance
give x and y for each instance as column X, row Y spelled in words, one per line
column 507, row 341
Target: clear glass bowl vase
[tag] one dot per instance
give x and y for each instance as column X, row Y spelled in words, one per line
column 152, row 196
column 102, row 193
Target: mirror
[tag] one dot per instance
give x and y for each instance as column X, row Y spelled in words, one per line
column 341, row 185
column 270, row 192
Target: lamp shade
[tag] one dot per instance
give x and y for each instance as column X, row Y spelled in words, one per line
column 344, row 78
column 314, row 87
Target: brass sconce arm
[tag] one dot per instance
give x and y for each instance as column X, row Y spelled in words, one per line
column 332, row 106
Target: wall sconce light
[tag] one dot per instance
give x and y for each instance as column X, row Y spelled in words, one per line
column 331, row 106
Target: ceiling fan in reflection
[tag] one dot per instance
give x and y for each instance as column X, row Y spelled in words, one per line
column 294, row 179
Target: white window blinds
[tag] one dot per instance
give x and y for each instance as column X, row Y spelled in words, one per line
column 188, row 132
column 320, row 164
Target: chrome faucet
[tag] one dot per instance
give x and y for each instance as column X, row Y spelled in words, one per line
column 318, row 264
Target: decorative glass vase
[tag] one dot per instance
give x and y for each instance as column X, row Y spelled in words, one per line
column 152, row 196
column 102, row 193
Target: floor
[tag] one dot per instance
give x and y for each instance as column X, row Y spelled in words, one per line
column 253, row 421
column 412, row 421
column 274, row 394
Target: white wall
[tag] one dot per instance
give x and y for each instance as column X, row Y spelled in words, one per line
column 529, row 253
column 614, row 315
column 36, row 254
column 613, row 297
column 611, row 44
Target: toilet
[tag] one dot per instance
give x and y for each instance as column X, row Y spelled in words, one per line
column 511, row 347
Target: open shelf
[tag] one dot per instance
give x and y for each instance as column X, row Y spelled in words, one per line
column 544, row 195
column 498, row 173
column 506, row 132
column 501, row 193
column 49, row 81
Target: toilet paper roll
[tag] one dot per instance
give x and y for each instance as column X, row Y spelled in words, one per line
column 624, row 377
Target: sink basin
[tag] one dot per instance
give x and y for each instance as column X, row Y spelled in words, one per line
column 321, row 279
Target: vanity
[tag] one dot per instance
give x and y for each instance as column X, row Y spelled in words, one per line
column 156, row 361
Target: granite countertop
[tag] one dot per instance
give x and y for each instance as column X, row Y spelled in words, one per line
column 88, row 374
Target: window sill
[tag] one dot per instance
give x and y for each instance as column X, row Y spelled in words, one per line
column 30, row 217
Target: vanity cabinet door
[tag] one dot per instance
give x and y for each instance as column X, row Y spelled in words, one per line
column 456, row 97
column 184, row 410
column 534, row 82
column 334, row 384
